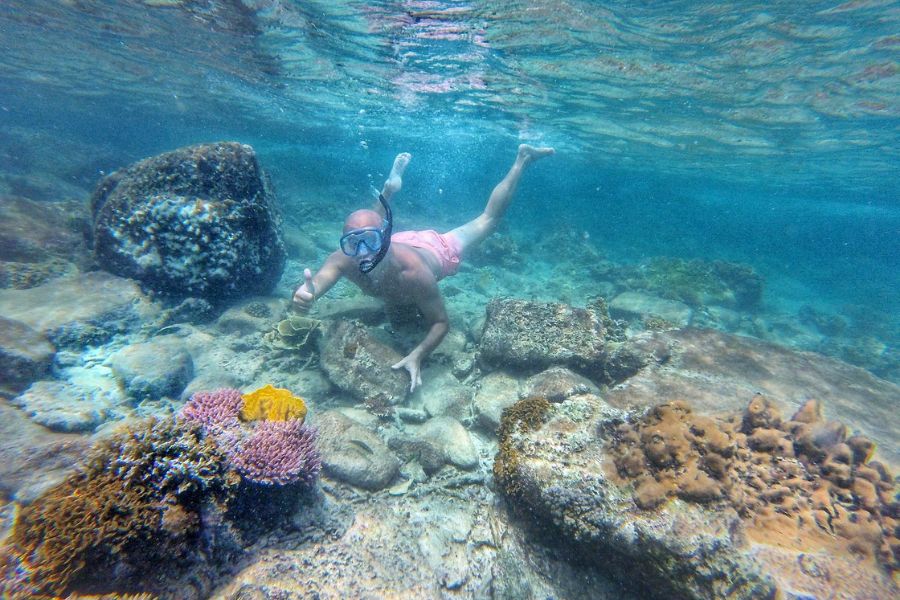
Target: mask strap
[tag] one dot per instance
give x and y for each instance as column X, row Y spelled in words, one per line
column 367, row 264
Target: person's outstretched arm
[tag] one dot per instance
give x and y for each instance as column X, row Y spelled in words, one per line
column 316, row 285
column 431, row 304
column 394, row 181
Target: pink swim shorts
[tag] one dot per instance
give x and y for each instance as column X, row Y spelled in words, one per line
column 446, row 248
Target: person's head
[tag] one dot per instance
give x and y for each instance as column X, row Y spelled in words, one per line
column 367, row 236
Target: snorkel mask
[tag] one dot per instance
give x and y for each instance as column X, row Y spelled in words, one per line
column 370, row 239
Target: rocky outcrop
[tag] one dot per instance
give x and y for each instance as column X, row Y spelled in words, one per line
column 717, row 372
column 81, row 310
column 694, row 507
column 199, row 221
column 40, row 241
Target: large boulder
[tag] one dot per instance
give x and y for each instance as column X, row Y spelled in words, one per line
column 360, row 364
column 198, row 221
column 532, row 336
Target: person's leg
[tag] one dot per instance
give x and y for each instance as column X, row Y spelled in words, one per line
column 484, row 224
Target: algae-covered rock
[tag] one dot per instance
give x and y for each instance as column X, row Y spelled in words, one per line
column 198, row 221
column 536, row 335
column 358, row 363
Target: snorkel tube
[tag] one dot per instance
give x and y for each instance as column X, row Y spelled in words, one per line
column 367, row 264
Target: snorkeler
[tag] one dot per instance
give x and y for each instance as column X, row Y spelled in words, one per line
column 403, row 268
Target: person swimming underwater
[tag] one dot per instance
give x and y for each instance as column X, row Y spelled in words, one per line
column 404, row 268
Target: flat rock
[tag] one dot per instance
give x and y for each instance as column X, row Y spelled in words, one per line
column 496, row 392
column 628, row 305
column 25, row 356
column 33, row 458
column 153, row 369
column 718, row 372
column 444, row 395
column 64, row 407
column 86, row 308
column 533, row 336
column 359, row 364
column 353, row 454
column 556, row 384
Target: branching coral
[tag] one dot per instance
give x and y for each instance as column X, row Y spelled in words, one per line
column 269, row 444
column 279, row 453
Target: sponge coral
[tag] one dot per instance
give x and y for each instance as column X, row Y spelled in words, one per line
column 272, row 404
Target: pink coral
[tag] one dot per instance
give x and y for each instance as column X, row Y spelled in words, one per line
column 213, row 409
column 278, row 453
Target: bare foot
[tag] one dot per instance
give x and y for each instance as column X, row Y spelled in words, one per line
column 528, row 154
column 395, row 179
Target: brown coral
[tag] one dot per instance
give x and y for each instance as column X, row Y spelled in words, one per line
column 523, row 416
column 272, row 404
column 134, row 504
column 800, row 481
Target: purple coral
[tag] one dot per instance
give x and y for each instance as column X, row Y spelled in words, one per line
column 214, row 409
column 278, row 453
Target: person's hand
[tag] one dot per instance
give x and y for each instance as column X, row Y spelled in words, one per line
column 411, row 363
column 305, row 295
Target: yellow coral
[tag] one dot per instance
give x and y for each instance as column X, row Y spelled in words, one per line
column 272, row 404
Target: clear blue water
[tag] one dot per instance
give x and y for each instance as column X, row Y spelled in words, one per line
column 766, row 133
column 759, row 132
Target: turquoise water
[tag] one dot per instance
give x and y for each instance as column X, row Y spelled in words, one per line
column 765, row 134
column 758, row 132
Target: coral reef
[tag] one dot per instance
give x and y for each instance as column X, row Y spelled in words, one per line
column 269, row 403
column 136, row 509
column 262, row 434
column 213, row 408
column 198, row 221
column 801, row 478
